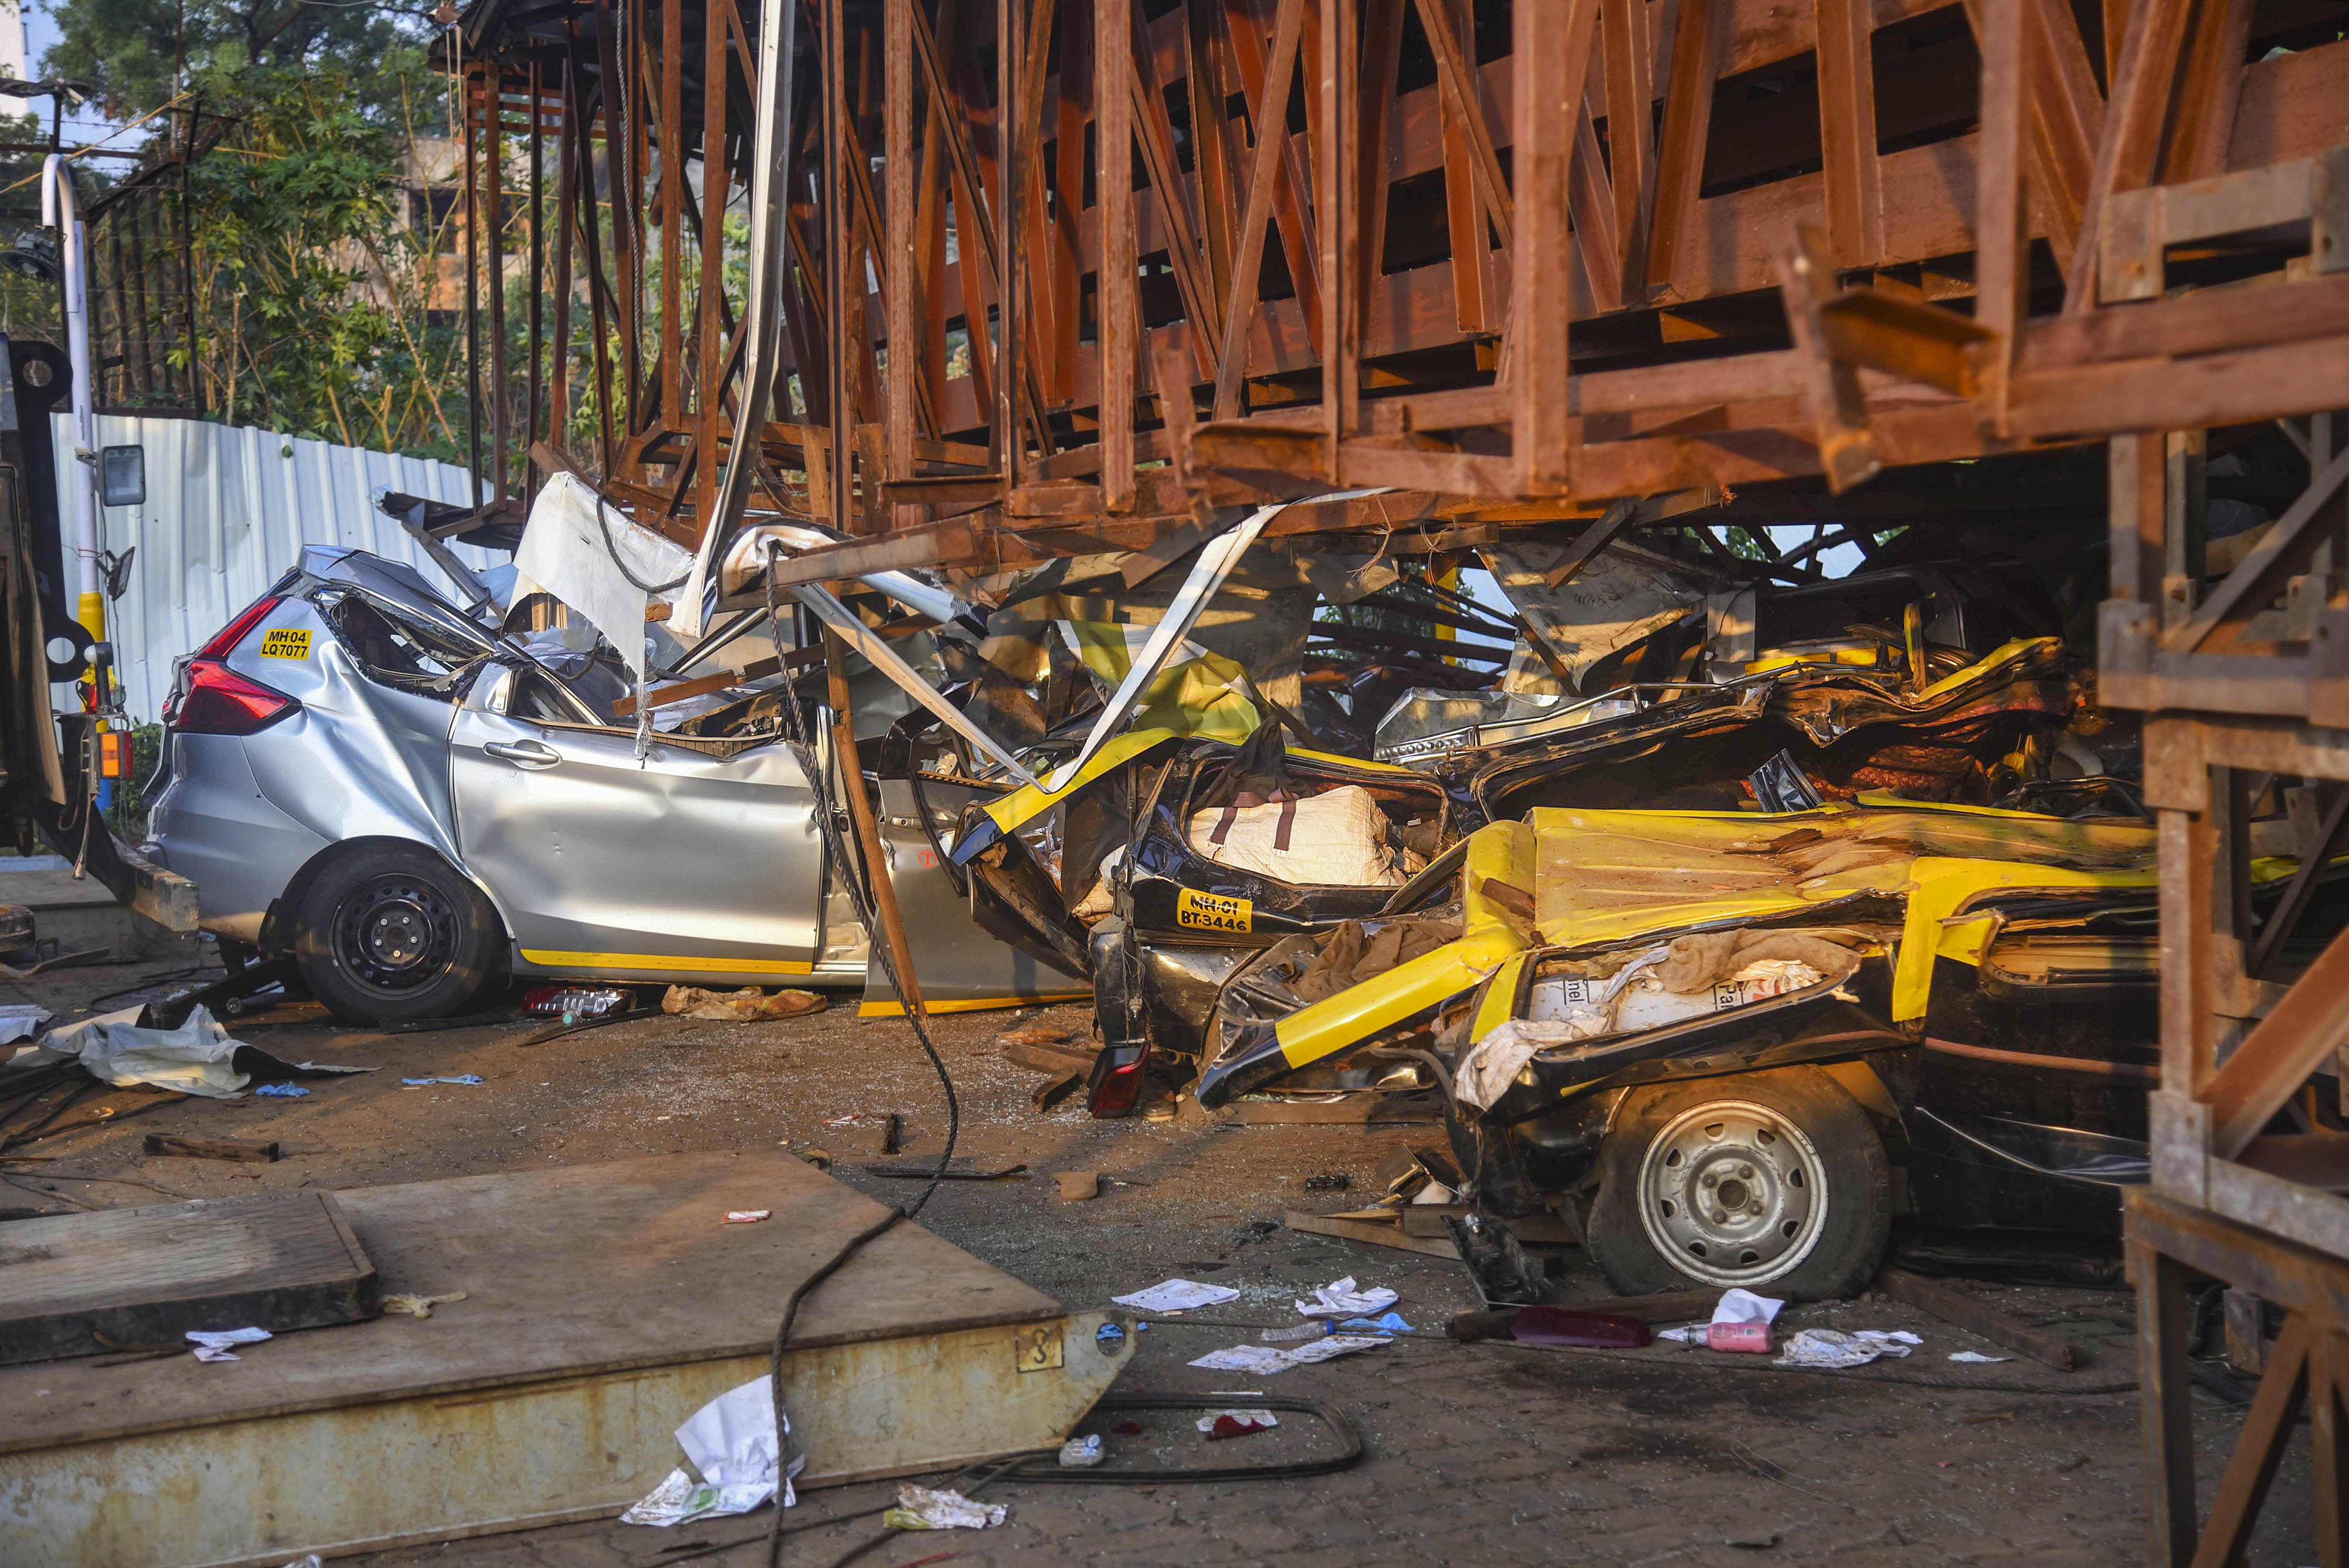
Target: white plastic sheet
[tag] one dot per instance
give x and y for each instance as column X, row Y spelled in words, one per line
column 596, row 561
column 1343, row 1298
column 194, row 1058
column 1264, row 1361
column 733, row 1443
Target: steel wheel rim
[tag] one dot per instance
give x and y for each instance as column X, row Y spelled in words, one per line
column 396, row 935
column 1732, row 1193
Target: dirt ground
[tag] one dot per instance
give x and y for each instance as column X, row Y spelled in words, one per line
column 1475, row 1454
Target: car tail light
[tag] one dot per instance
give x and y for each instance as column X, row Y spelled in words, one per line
column 221, row 647
column 213, row 700
column 1117, row 1080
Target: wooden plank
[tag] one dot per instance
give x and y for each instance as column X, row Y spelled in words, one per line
column 1239, row 310
column 1679, row 159
column 1116, row 298
column 2297, row 1036
column 1978, row 1317
column 2162, row 1329
column 1375, row 1232
column 147, row 1275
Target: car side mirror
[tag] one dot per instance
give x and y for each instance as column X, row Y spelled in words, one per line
column 122, row 476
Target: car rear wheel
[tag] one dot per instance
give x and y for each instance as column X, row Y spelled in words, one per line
column 1775, row 1180
column 388, row 933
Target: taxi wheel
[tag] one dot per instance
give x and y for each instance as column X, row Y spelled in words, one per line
column 390, row 933
column 1774, row 1181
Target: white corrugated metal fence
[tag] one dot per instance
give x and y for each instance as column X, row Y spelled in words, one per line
column 228, row 511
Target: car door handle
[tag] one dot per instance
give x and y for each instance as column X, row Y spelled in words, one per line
column 525, row 753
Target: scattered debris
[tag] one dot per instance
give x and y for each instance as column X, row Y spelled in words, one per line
column 892, row 1133
column 1081, row 1453
column 1836, row 1347
column 749, row 1005
column 1076, row 1186
column 1177, row 1295
column 1329, row 1182
column 193, row 1147
column 283, row 1091
column 1320, row 1328
column 1752, row 1540
column 1387, row 1323
column 1264, row 1361
column 819, row 1157
column 572, row 1003
column 196, row 1058
column 745, row 1216
column 448, row 1078
column 920, row 1508
column 418, row 1306
column 733, row 1442
column 1977, row 1359
column 1219, row 1425
column 1341, row 1299
column 1049, row 1095
column 21, row 1021
column 212, row 1344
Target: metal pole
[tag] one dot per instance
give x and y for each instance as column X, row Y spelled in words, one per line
column 57, row 211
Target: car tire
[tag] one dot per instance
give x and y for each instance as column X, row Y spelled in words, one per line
column 1776, row 1181
column 392, row 932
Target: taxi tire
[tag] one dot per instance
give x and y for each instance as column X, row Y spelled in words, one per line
column 476, row 960
column 1856, row 1177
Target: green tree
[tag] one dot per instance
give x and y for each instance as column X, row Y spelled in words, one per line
column 134, row 53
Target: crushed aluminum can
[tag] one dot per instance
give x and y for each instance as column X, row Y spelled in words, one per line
column 1751, row 1337
column 1081, row 1453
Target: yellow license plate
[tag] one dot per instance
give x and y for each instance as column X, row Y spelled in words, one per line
column 286, row 642
column 1212, row 912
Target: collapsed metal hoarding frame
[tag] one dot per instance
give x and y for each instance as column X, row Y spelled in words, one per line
column 1499, row 386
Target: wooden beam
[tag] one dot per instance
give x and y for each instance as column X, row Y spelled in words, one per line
column 1552, row 62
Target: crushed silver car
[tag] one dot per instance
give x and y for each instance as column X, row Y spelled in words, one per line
column 414, row 806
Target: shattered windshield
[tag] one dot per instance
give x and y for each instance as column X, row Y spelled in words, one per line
column 405, row 652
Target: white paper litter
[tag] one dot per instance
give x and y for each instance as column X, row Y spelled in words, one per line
column 1264, row 1361
column 1081, row 1453
column 212, row 1344
column 1340, row 1298
column 193, row 1059
column 1257, row 1420
column 919, row 1508
column 1977, row 1358
column 1177, row 1295
column 1744, row 1306
column 733, row 1442
column 21, row 1021
column 1832, row 1348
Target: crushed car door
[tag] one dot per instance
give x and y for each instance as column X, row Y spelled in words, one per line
column 692, row 861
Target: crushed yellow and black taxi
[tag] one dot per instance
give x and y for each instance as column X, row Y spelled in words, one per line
column 1730, row 1047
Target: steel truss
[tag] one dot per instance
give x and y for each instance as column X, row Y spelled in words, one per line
column 1514, row 263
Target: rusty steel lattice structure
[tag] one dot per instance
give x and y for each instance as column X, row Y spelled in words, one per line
column 143, row 292
column 1066, row 276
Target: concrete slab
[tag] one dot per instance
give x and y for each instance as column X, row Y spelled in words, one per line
column 604, row 1305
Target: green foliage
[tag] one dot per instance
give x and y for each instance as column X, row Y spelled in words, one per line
column 129, row 50
column 313, row 296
